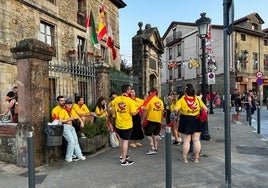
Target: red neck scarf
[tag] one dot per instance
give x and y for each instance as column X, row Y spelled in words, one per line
column 68, row 110
column 190, row 102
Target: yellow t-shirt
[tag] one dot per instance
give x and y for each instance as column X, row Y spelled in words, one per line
column 138, row 102
column 101, row 112
column 184, row 109
column 83, row 110
column 123, row 107
column 172, row 106
column 64, row 115
column 55, row 112
column 155, row 110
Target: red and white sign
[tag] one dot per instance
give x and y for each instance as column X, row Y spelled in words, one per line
column 259, row 74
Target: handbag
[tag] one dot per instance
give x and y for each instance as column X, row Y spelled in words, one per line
column 114, row 140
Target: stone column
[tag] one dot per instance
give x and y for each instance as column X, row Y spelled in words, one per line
column 32, row 57
column 103, row 82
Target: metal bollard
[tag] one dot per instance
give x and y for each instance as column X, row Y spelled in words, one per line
column 31, row 169
column 258, row 120
column 247, row 111
column 168, row 158
column 249, row 116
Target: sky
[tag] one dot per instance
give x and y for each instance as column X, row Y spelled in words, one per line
column 161, row 13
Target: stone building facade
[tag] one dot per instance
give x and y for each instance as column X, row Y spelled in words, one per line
column 60, row 24
column 182, row 47
column 73, row 65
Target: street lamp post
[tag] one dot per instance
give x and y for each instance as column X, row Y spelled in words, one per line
column 202, row 24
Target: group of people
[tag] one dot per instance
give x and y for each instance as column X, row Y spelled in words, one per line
column 134, row 119
column 239, row 102
column 74, row 116
column 185, row 120
column 12, row 106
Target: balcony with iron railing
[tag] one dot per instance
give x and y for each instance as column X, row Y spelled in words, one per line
column 174, row 38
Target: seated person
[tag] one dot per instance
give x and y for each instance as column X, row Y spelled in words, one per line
column 82, row 110
column 67, row 116
column 100, row 108
column 56, row 110
column 13, row 109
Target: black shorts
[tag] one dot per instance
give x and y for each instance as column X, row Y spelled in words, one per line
column 189, row 125
column 152, row 128
column 124, row 133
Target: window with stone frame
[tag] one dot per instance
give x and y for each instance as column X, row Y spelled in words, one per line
column 179, row 70
column 81, row 12
column 170, row 53
column 179, row 50
column 265, row 42
column 265, row 61
column 47, row 33
column 81, row 51
column 170, row 73
column 254, row 27
column 243, row 37
column 255, row 61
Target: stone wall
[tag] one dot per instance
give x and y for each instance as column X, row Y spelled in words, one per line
column 8, row 142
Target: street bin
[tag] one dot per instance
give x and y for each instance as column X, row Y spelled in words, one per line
column 54, row 134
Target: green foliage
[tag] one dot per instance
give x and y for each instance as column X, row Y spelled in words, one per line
column 99, row 127
column 102, row 124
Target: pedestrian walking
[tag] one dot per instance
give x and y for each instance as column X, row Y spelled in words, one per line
column 124, row 108
column 153, row 114
column 189, row 107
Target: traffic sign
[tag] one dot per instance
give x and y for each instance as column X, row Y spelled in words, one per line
column 259, row 81
column 211, row 78
column 259, row 74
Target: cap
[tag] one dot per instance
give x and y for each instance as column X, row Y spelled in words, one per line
column 68, row 101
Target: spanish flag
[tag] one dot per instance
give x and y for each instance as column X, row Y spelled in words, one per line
column 102, row 24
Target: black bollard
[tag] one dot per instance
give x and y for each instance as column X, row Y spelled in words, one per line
column 249, row 117
column 31, row 169
column 258, row 120
column 168, row 158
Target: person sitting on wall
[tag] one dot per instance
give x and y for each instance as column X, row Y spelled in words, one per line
column 67, row 116
column 82, row 110
column 84, row 113
column 12, row 98
column 100, row 108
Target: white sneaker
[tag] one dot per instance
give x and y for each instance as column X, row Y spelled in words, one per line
column 82, row 158
column 68, row 160
column 83, row 135
column 151, row 152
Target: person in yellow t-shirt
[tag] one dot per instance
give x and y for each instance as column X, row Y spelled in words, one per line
column 137, row 132
column 56, row 110
column 100, row 108
column 67, row 116
column 82, row 110
column 153, row 114
column 124, row 108
column 175, row 121
column 189, row 106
